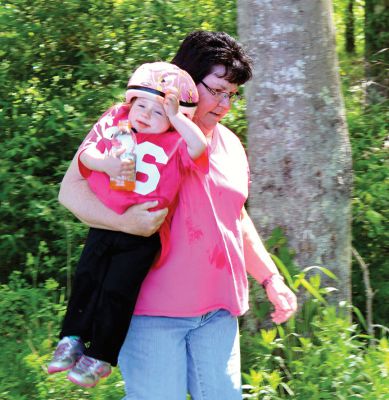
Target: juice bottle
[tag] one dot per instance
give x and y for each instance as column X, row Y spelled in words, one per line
column 124, row 137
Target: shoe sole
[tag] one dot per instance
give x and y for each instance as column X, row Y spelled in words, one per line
column 87, row 385
column 54, row 370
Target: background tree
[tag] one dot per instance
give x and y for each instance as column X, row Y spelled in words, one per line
column 298, row 143
column 377, row 49
column 350, row 27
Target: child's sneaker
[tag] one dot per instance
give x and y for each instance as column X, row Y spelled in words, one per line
column 66, row 355
column 88, row 371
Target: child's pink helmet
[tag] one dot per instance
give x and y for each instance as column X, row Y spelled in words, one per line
column 156, row 79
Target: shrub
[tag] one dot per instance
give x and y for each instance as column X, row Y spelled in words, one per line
column 320, row 354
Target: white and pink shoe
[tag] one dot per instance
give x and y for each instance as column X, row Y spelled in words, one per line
column 66, row 355
column 88, row 371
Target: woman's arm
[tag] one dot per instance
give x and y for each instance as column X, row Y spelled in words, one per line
column 262, row 268
column 76, row 196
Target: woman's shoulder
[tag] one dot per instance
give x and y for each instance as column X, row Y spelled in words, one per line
column 227, row 135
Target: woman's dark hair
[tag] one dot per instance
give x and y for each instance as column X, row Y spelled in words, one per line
column 202, row 50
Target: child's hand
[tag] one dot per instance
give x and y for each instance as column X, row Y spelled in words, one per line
column 114, row 166
column 170, row 104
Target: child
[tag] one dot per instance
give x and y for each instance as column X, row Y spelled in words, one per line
column 113, row 264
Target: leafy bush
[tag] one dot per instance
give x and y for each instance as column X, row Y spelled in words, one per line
column 319, row 354
column 30, row 319
column 369, row 129
column 332, row 361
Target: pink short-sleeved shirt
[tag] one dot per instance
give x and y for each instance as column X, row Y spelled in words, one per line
column 205, row 267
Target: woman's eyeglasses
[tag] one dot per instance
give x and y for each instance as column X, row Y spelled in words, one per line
column 220, row 95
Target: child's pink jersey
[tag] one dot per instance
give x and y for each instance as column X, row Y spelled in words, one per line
column 162, row 161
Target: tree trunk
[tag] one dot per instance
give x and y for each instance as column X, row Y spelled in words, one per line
column 377, row 49
column 298, row 143
column 350, row 28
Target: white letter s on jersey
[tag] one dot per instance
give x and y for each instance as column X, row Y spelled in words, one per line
column 148, row 169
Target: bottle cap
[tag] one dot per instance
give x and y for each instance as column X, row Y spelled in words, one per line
column 124, row 125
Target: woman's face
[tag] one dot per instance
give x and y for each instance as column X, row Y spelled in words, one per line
column 212, row 108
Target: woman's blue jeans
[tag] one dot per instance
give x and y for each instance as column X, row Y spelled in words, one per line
column 165, row 358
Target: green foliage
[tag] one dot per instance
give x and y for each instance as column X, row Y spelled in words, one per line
column 371, row 203
column 368, row 127
column 377, row 49
column 30, row 318
column 318, row 354
column 332, row 362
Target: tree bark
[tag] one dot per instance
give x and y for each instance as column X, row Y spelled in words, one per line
column 377, row 49
column 298, row 143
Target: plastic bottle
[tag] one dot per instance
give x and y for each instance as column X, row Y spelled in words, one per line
column 124, row 137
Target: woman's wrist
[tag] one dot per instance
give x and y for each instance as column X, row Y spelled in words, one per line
column 270, row 278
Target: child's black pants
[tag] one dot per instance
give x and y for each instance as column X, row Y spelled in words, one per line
column 106, row 284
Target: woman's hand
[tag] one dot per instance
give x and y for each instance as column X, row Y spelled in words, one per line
column 138, row 220
column 262, row 268
column 282, row 298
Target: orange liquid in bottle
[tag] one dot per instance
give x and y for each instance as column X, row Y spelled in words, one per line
column 124, row 184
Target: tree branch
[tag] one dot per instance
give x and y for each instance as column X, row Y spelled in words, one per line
column 368, row 290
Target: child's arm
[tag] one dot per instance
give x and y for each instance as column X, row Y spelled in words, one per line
column 76, row 195
column 112, row 165
column 191, row 133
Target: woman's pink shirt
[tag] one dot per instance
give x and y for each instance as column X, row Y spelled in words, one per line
column 205, row 267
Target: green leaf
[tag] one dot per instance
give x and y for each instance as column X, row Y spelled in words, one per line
column 374, row 217
column 269, row 335
column 312, row 291
column 322, row 269
column 284, row 271
column 361, row 318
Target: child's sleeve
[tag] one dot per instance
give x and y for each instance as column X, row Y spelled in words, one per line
column 200, row 164
column 100, row 135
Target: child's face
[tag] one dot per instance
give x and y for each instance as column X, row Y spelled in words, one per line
column 148, row 116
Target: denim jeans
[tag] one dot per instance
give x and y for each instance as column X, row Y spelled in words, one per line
column 165, row 358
